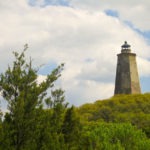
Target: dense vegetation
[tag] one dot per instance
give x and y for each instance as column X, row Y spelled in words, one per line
column 38, row 117
column 134, row 109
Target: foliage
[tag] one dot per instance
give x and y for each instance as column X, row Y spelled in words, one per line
column 121, row 108
column 111, row 136
column 25, row 98
column 71, row 128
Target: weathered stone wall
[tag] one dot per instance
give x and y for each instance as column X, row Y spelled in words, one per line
column 127, row 80
column 135, row 84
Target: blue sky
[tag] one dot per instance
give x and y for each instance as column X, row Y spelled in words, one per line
column 85, row 35
column 44, row 3
column 112, row 13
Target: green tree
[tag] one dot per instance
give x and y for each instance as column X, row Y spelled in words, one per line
column 106, row 136
column 24, row 96
column 120, row 108
column 71, row 129
column 1, row 131
column 58, row 109
column 53, row 120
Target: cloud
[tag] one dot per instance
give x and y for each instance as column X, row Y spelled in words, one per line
column 143, row 65
column 79, row 92
column 86, row 41
column 41, row 78
column 133, row 11
column 45, row 3
column 37, row 2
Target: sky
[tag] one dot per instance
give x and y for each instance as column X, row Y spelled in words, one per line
column 86, row 35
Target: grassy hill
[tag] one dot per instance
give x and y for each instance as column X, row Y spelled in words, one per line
column 134, row 109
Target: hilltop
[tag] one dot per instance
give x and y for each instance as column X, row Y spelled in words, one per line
column 134, row 109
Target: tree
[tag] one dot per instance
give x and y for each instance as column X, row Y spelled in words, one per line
column 25, row 96
column 71, row 128
column 1, row 131
column 51, row 136
column 58, row 107
column 120, row 108
column 106, row 136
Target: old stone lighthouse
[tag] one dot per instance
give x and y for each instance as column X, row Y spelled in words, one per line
column 127, row 79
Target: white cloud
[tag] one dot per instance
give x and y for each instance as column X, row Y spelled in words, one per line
column 134, row 11
column 41, row 78
column 143, row 65
column 79, row 92
column 39, row 2
column 86, row 41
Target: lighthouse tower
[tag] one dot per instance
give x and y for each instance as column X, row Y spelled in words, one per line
column 127, row 79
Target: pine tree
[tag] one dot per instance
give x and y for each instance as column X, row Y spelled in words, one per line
column 71, row 128
column 25, row 96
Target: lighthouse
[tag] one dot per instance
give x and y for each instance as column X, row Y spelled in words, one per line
column 127, row 78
